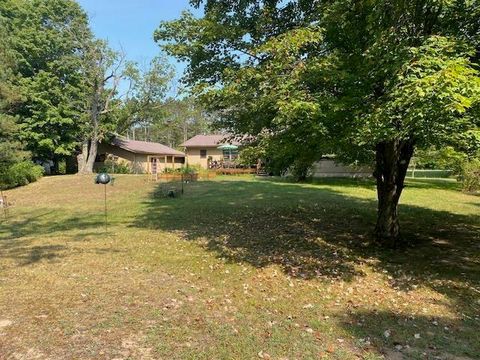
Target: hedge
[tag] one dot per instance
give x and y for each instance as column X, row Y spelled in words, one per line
column 19, row 174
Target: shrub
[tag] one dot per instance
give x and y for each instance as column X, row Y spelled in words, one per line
column 114, row 167
column 189, row 170
column 168, row 171
column 20, row 174
column 429, row 173
column 249, row 156
column 445, row 158
column 301, row 170
column 471, row 176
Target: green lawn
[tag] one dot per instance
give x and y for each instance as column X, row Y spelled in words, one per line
column 237, row 269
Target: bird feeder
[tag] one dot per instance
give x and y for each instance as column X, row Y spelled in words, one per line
column 104, row 179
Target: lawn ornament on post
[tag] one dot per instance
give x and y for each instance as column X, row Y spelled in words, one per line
column 104, row 179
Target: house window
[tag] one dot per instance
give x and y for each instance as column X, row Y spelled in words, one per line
column 203, row 154
column 230, row 155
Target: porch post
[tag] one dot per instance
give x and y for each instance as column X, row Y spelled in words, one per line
column 173, row 162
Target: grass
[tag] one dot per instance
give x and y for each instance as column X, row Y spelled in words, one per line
column 237, row 269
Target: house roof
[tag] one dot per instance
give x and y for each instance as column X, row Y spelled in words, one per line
column 145, row 147
column 208, row 141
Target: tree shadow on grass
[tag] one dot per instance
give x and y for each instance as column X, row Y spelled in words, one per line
column 316, row 232
column 360, row 182
column 28, row 255
column 403, row 336
column 263, row 223
column 320, row 233
column 46, row 223
column 18, row 237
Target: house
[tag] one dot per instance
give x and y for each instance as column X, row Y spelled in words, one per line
column 140, row 156
column 202, row 150
column 206, row 150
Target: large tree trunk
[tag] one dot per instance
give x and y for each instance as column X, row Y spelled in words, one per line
column 392, row 160
column 56, row 166
column 82, row 157
column 94, row 121
column 92, row 155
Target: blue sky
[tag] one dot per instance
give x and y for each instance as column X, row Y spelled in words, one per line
column 131, row 23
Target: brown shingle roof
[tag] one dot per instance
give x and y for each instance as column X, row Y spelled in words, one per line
column 145, row 147
column 208, row 141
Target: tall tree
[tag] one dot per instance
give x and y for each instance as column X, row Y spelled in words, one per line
column 104, row 70
column 172, row 122
column 149, row 113
column 184, row 118
column 11, row 149
column 150, row 87
column 44, row 38
column 368, row 80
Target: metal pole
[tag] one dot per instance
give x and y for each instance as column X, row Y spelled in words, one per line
column 182, row 183
column 106, row 226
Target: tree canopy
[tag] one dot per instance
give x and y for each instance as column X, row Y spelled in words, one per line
column 63, row 90
column 11, row 149
column 46, row 40
column 370, row 81
column 171, row 122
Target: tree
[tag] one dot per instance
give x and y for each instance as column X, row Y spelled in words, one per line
column 446, row 158
column 104, row 70
column 46, row 49
column 370, row 81
column 172, row 122
column 144, row 105
column 11, row 149
column 184, row 119
column 149, row 113
column 15, row 165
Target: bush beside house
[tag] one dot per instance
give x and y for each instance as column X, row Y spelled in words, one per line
column 470, row 176
column 115, row 167
column 19, row 174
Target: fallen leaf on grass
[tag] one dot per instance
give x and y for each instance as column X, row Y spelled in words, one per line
column 264, row 355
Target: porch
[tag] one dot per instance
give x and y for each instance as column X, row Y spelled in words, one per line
column 157, row 164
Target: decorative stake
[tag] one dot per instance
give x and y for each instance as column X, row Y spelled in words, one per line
column 104, row 179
